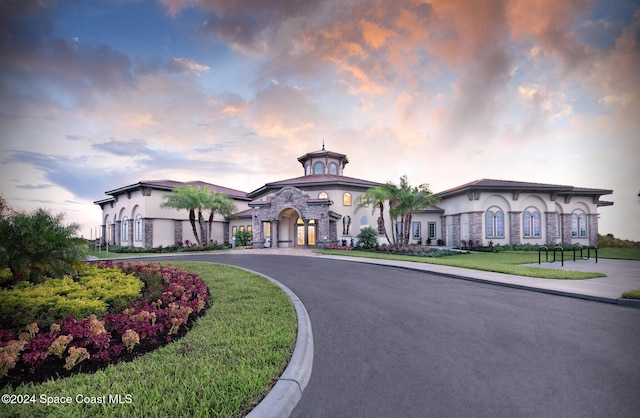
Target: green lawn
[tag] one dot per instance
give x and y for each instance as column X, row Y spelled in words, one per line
column 507, row 262
column 222, row 367
column 619, row 253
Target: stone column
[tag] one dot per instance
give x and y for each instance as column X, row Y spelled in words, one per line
column 455, row 230
column 148, row 232
column 443, row 229
column 131, row 232
column 118, row 233
column 274, row 234
column 475, row 227
column 551, row 221
column 592, row 228
column 514, row 228
column 306, row 233
column 566, row 228
column 177, row 231
column 103, row 231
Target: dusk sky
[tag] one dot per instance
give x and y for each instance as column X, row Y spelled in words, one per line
column 95, row 95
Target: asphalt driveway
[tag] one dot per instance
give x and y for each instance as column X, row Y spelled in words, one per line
column 392, row 342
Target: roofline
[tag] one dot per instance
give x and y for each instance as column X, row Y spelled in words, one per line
column 528, row 187
column 157, row 186
column 274, row 185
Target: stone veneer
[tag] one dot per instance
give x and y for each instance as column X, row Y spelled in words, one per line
column 566, row 228
column 455, row 230
column 148, row 232
column 592, row 228
column 177, row 231
column 475, row 226
column 551, row 221
column 514, row 227
column 289, row 198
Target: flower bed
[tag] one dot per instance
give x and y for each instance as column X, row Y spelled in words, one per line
column 172, row 299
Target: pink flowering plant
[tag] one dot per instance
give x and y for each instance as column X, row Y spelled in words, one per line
column 172, row 299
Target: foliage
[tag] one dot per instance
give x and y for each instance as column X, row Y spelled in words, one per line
column 367, row 239
column 199, row 199
column 404, row 200
column 632, row 294
column 243, row 238
column 222, row 367
column 94, row 291
column 100, row 341
column 37, row 245
column 377, row 196
column 609, row 241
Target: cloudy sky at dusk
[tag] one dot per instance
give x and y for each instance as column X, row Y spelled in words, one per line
column 99, row 94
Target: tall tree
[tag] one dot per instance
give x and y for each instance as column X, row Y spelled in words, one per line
column 376, row 196
column 403, row 200
column 219, row 203
column 188, row 198
column 37, row 245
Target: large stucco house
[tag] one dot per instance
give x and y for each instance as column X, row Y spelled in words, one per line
column 321, row 206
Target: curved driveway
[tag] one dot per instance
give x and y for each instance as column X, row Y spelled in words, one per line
column 391, row 342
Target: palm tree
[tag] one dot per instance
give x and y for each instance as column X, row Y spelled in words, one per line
column 403, row 199
column 377, row 196
column 37, row 245
column 187, row 198
column 219, row 203
column 410, row 199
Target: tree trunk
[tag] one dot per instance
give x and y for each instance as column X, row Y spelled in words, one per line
column 384, row 228
column 203, row 238
column 192, row 220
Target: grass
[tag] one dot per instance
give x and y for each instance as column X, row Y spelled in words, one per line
column 221, row 368
column 619, row 253
column 507, row 262
column 631, row 294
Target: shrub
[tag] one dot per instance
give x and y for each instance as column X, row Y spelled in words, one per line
column 95, row 342
column 243, row 238
column 37, row 245
column 95, row 290
column 367, row 238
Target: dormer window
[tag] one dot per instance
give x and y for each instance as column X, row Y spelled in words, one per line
column 318, row 168
column 333, row 168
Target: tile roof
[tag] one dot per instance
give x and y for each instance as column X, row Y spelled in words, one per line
column 172, row 184
column 315, row 180
column 510, row 185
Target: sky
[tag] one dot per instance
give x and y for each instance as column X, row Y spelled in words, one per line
column 97, row 94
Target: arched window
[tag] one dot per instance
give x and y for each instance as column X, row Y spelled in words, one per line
column 494, row 223
column 346, row 199
column 531, row 223
column 333, row 168
column 318, row 168
column 364, row 222
column 578, row 224
column 138, row 228
column 125, row 229
column 307, row 169
column 323, row 195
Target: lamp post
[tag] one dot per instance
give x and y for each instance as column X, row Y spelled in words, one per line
column 325, row 242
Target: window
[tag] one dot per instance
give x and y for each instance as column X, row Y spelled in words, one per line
column 494, row 223
column 138, row 233
column 307, row 169
column 400, row 229
column 346, row 199
column 234, row 231
column 250, row 229
column 531, row 223
column 266, row 227
column 333, row 168
column 323, row 195
column 432, row 230
column 241, row 228
column 363, row 200
column 318, row 168
column 415, row 230
column 578, row 224
column 125, row 229
column 364, row 222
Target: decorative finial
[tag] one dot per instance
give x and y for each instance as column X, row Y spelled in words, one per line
column 323, row 143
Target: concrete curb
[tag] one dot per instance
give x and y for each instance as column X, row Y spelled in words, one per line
column 287, row 391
